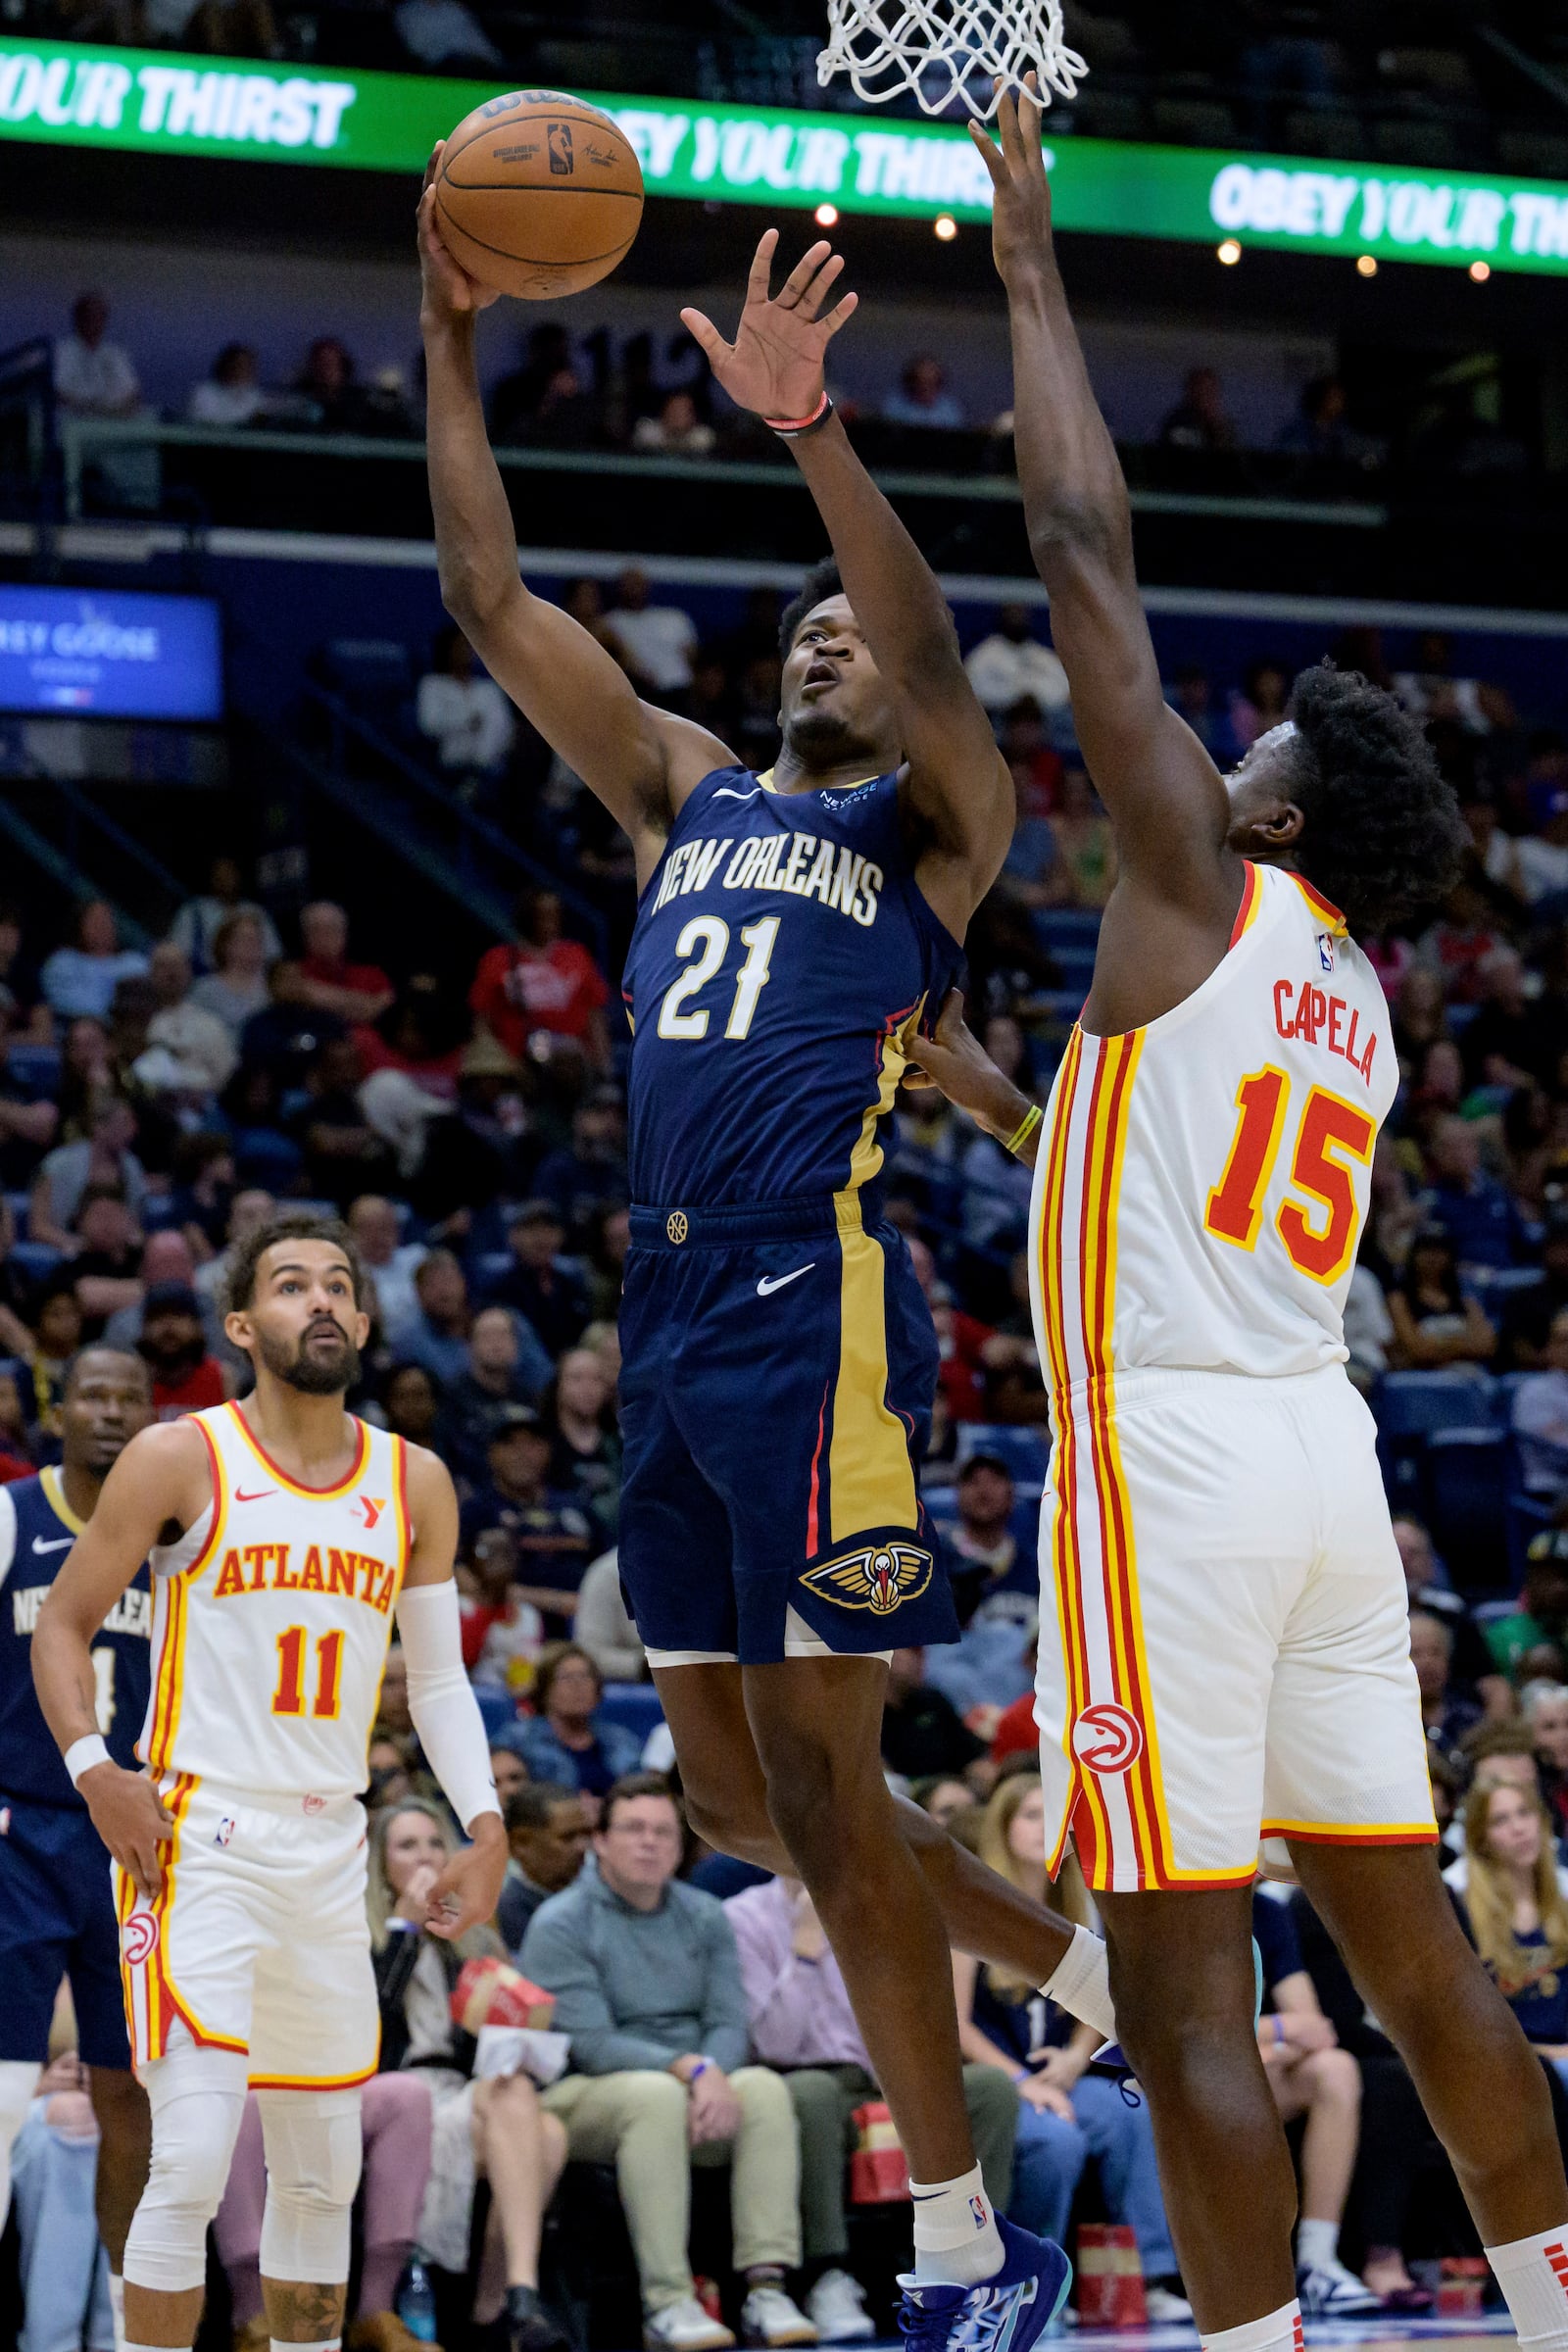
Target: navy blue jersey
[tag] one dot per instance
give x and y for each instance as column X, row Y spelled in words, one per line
column 37, row 1528
column 782, row 949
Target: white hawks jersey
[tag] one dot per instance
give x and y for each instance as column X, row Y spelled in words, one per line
column 272, row 1618
column 1203, row 1181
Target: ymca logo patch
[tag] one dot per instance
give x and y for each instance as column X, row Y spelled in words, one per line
column 1107, row 1737
column 140, row 1939
column 881, row 1578
column 373, row 1508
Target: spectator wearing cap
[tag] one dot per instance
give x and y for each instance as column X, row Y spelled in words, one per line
column 566, row 1739
column 505, row 1366
column 539, row 1284
column 555, row 1537
column 549, row 1833
column 984, row 1555
column 185, row 1378
column 582, row 1179
column 648, row 1984
column 327, row 980
column 1540, row 1616
column 1541, row 1416
column 543, row 981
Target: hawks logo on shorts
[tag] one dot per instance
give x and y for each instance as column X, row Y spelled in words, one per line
column 879, row 1577
column 1106, row 1738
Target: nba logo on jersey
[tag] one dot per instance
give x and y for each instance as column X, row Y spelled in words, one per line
column 224, row 1831
column 1324, row 950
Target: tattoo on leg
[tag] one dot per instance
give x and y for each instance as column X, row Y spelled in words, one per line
column 300, row 2314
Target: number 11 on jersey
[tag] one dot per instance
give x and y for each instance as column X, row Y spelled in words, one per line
column 289, row 1696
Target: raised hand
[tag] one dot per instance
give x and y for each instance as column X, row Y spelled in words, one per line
column 1020, row 213
column 775, row 365
column 446, row 288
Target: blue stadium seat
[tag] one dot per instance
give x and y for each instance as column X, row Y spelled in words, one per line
column 496, row 1708
column 37, row 1068
column 1413, row 1406
column 1025, row 1449
column 1069, row 926
column 36, row 1260
column 1467, row 1504
column 633, row 1705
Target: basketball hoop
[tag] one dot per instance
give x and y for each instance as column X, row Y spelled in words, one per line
column 945, row 50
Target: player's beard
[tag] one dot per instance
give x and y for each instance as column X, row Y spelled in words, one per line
column 315, row 1375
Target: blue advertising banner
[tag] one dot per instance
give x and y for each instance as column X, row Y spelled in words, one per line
column 107, row 655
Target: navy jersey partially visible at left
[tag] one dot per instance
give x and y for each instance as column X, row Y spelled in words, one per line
column 37, row 1528
column 781, row 950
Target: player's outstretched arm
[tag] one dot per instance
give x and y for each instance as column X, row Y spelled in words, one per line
column 958, row 784
column 1165, row 795
column 161, row 1480
column 956, row 1063
column 640, row 762
column 446, row 1714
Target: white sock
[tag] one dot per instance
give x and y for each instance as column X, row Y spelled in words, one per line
column 328, row 2343
column 1533, row 2273
column 1279, row 2331
column 117, row 2310
column 1317, row 2244
column 957, row 2241
column 1080, row 1983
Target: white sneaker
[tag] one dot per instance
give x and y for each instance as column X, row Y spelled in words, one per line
column 1327, row 2290
column 769, row 2317
column 1167, row 2309
column 836, row 2309
column 685, row 2326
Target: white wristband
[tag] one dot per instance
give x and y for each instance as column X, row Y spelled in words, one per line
column 82, row 1755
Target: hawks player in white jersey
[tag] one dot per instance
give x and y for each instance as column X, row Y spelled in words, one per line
column 1224, row 1648
column 284, row 1535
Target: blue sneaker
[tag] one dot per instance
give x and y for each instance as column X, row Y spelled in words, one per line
column 1007, row 2313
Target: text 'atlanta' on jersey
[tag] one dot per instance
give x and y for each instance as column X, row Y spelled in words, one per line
column 57, row 1910
column 1232, row 1651
column 778, row 1356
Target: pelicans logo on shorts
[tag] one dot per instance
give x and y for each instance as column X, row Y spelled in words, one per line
column 880, row 1577
column 1106, row 1738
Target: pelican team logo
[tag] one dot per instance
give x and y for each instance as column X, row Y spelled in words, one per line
column 140, row 1940
column 676, row 1226
column 880, row 1578
column 1106, row 1738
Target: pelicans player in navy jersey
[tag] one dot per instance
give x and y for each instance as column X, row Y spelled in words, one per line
column 794, row 928
column 57, row 1912
column 283, row 1535
column 1225, row 1642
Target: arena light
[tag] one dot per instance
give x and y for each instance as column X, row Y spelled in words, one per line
column 1367, row 265
column 826, row 216
column 1230, row 253
column 947, row 228
column 1481, row 272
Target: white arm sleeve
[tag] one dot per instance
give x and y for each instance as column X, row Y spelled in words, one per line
column 446, row 1714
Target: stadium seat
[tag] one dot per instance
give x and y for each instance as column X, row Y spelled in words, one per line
column 34, row 1259
column 1467, row 1504
column 496, row 1708
column 1413, row 1406
column 37, row 1068
column 1069, row 926
column 633, row 1705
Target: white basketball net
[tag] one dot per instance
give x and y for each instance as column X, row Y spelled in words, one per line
column 946, row 51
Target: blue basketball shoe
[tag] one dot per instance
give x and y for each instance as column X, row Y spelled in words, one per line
column 1007, row 2313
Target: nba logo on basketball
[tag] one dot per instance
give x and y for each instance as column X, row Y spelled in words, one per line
column 562, row 161
column 1106, row 1738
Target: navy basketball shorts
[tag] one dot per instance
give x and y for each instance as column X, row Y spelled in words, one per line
column 778, row 1366
column 57, row 1919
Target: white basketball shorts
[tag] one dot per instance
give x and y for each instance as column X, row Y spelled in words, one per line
column 1224, row 1638
column 257, row 1940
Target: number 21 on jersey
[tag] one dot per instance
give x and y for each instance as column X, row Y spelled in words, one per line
column 1319, row 1239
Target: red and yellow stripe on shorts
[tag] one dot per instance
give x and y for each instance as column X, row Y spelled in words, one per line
column 154, row 2004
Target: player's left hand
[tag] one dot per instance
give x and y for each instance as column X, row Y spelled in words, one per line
column 955, row 1061
column 775, row 365
column 469, row 1889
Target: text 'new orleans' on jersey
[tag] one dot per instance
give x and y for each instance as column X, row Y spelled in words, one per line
column 782, row 949
column 272, row 1618
column 1203, row 1181
column 37, row 1529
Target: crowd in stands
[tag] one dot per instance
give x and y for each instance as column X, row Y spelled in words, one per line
column 153, row 1107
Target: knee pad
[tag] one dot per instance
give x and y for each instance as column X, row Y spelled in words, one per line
column 313, row 2147
column 197, row 2098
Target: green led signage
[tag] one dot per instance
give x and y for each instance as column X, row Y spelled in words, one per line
column 154, row 102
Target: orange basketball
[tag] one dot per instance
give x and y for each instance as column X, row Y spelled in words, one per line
column 538, row 194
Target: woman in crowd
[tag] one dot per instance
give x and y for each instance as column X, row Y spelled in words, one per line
column 410, row 1403
column 496, row 2128
column 579, row 1416
column 1066, row 2115
column 236, row 985
column 1436, row 1321
column 561, row 1740
column 944, row 1799
column 1517, row 1912
column 395, row 2123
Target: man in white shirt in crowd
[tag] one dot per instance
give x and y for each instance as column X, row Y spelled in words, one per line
column 463, row 711
column 1012, row 666
column 197, row 1036
column 656, row 642
column 95, row 377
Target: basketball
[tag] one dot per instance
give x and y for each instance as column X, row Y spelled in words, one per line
column 539, row 195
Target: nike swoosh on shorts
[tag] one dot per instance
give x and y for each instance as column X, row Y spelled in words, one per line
column 57, row 1543
column 775, row 1282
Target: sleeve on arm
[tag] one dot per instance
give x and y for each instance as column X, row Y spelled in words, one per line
column 446, row 1714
